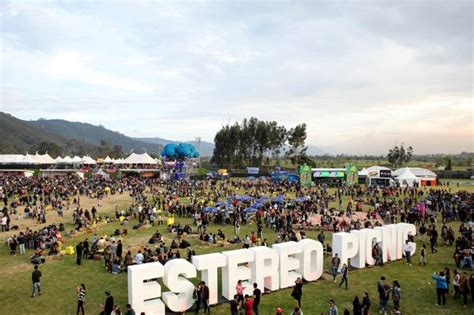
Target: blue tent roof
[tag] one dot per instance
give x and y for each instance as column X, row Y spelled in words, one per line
column 299, row 199
column 250, row 210
column 279, row 199
column 257, row 205
column 210, row 209
column 220, row 204
column 243, row 198
column 263, row 199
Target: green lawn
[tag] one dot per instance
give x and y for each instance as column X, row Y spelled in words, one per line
column 61, row 276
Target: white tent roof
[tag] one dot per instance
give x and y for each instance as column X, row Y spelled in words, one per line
column 376, row 168
column 406, row 173
column 139, row 159
column 67, row 159
column 77, row 159
column 363, row 172
column 118, row 161
column 407, row 178
column 417, row 171
column 44, row 159
column 29, row 159
column 16, row 159
column 108, row 160
column 59, row 159
column 88, row 160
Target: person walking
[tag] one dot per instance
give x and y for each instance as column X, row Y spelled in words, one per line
column 383, row 299
column 456, row 284
column 396, row 293
column 335, row 262
column 256, row 298
column 79, row 249
column 85, row 249
column 441, row 287
column 109, row 304
column 35, row 277
column 345, row 275
column 465, row 288
column 81, row 298
column 366, row 304
column 297, row 291
column 407, row 248
column 423, row 255
column 21, row 242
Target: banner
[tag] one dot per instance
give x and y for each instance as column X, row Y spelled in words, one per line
column 305, row 175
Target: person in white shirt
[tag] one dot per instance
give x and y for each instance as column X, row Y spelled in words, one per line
column 4, row 224
column 139, row 258
column 407, row 249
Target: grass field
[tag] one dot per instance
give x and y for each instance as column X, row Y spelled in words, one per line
column 61, row 276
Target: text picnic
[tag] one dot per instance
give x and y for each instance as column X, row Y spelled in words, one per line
column 271, row 268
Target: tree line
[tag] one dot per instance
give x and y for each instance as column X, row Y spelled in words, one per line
column 254, row 141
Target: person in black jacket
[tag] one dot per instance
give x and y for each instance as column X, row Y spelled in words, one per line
column 85, row 250
column 297, row 292
column 204, row 292
column 109, row 304
column 356, row 306
column 79, row 249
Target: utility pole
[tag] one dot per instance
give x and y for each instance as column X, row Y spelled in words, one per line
column 198, row 140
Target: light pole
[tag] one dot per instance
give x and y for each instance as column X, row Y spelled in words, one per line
column 198, row 140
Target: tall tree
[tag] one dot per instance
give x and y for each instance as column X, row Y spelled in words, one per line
column 398, row 156
column 296, row 140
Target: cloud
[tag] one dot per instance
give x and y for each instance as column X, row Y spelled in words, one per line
column 351, row 70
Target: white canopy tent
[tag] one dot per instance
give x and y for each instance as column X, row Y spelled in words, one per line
column 28, row 159
column 406, row 178
column 59, row 159
column 118, row 161
column 67, row 160
column 87, row 160
column 108, row 160
column 144, row 158
column 44, row 159
column 77, row 160
column 17, row 159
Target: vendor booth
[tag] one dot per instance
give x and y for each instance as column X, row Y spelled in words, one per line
column 424, row 176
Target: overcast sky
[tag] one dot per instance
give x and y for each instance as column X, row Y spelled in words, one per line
column 363, row 75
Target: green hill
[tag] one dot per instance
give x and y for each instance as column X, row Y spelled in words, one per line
column 95, row 135
column 19, row 136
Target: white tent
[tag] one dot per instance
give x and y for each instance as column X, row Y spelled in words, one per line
column 140, row 159
column 29, row 159
column 77, row 160
column 363, row 172
column 44, row 159
column 16, row 159
column 87, row 160
column 59, row 159
column 418, row 172
column 101, row 173
column 118, row 161
column 406, row 178
column 108, row 160
column 68, row 160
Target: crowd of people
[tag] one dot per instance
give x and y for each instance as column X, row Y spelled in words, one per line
column 154, row 200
